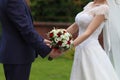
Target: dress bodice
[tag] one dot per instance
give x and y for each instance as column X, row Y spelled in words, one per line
column 84, row 18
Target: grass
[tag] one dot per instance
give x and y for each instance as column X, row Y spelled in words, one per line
column 1, row 73
column 42, row 69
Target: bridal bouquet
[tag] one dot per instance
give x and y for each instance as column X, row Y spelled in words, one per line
column 60, row 39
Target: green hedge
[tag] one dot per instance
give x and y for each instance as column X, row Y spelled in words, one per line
column 56, row 10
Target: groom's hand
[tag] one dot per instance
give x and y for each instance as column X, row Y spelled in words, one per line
column 47, row 42
column 55, row 53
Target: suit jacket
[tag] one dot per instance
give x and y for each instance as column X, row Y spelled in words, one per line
column 20, row 42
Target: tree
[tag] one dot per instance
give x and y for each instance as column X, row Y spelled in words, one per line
column 56, row 10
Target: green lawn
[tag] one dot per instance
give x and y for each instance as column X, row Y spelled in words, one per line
column 42, row 69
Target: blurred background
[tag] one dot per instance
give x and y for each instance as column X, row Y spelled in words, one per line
column 46, row 15
column 56, row 10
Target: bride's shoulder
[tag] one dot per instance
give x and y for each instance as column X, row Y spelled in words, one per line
column 88, row 5
column 103, row 8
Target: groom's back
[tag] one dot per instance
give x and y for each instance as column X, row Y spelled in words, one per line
column 2, row 7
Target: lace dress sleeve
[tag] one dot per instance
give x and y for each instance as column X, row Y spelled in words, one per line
column 88, row 5
column 102, row 10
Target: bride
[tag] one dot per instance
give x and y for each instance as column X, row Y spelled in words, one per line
column 91, row 61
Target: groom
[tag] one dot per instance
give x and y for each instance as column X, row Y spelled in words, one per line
column 20, row 43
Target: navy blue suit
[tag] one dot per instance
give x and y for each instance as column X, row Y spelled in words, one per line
column 20, row 42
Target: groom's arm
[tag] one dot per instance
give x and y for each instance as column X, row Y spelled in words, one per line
column 16, row 12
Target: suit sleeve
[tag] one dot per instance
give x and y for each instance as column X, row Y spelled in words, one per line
column 17, row 14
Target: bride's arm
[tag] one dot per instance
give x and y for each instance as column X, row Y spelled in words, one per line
column 72, row 28
column 98, row 19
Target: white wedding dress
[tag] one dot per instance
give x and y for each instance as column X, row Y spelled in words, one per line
column 90, row 60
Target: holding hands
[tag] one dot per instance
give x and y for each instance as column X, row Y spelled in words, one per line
column 55, row 52
column 60, row 41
